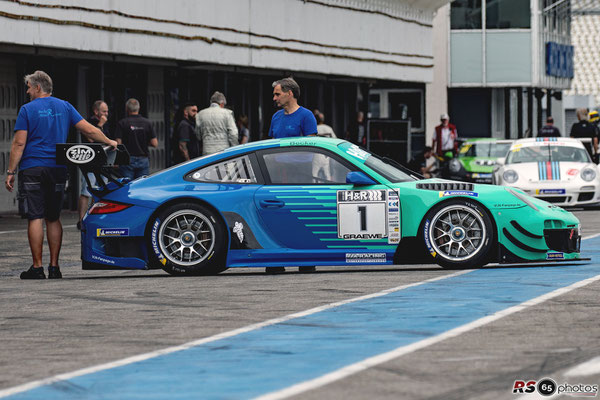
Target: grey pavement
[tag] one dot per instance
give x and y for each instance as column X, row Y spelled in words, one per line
column 92, row 317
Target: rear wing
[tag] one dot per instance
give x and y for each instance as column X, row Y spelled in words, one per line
column 97, row 159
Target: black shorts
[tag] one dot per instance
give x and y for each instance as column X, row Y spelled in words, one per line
column 41, row 191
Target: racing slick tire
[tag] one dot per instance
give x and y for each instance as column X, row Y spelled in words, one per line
column 458, row 234
column 188, row 239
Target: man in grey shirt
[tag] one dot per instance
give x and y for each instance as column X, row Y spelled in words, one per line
column 216, row 126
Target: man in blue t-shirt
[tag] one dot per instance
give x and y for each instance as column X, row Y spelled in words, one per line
column 293, row 120
column 41, row 124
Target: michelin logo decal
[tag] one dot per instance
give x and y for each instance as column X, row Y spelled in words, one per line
column 238, row 229
column 445, row 193
column 154, row 241
column 104, row 232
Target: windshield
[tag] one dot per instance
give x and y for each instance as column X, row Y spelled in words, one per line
column 547, row 153
column 484, row 149
column 388, row 168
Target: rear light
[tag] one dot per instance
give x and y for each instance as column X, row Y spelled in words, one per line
column 107, row 207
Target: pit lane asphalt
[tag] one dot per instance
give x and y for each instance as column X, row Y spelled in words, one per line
column 92, row 317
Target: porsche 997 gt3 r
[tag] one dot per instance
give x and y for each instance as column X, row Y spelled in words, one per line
column 311, row 201
column 557, row 170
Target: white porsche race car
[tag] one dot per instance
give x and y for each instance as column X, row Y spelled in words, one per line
column 557, row 170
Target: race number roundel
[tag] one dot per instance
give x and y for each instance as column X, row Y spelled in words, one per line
column 365, row 215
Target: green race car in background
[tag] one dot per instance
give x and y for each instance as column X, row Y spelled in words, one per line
column 476, row 159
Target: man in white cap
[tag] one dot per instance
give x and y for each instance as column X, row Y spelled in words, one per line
column 445, row 137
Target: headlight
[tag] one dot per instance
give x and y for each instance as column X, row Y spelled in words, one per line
column 510, row 176
column 588, row 174
column 523, row 197
column 454, row 165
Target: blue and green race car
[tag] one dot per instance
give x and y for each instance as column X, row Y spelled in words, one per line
column 304, row 202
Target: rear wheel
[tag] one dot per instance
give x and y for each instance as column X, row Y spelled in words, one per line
column 188, row 239
column 459, row 234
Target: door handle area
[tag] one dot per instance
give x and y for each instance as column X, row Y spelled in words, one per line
column 271, row 203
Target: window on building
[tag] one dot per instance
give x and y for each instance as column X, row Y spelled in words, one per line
column 556, row 16
column 374, row 106
column 507, row 14
column 465, row 14
column 407, row 104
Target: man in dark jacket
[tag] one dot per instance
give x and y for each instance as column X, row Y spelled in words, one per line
column 136, row 133
column 585, row 129
column 549, row 130
column 186, row 145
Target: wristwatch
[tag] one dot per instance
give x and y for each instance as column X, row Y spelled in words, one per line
column 9, row 172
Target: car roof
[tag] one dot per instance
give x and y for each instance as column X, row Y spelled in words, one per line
column 314, row 141
column 317, row 141
column 487, row 140
column 557, row 141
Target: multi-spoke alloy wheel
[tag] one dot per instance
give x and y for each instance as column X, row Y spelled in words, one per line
column 458, row 234
column 188, row 239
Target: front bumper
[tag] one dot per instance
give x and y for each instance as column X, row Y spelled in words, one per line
column 549, row 234
column 565, row 195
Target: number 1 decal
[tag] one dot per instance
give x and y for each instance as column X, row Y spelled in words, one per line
column 362, row 210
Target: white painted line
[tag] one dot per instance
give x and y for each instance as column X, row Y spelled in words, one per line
column 21, row 230
column 591, row 367
column 235, row 332
column 590, row 237
column 400, row 351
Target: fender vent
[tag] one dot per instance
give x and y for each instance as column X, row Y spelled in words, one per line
column 445, row 186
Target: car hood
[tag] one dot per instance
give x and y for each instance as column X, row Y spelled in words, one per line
column 478, row 164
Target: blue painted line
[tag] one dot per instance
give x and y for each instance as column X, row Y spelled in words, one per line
column 278, row 356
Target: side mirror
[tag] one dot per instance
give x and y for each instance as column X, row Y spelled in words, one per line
column 500, row 160
column 358, row 178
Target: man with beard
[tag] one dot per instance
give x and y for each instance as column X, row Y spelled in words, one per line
column 186, row 145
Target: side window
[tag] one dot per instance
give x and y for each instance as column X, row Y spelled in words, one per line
column 304, row 167
column 236, row 170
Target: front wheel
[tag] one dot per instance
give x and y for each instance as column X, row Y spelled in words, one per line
column 459, row 234
column 188, row 239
